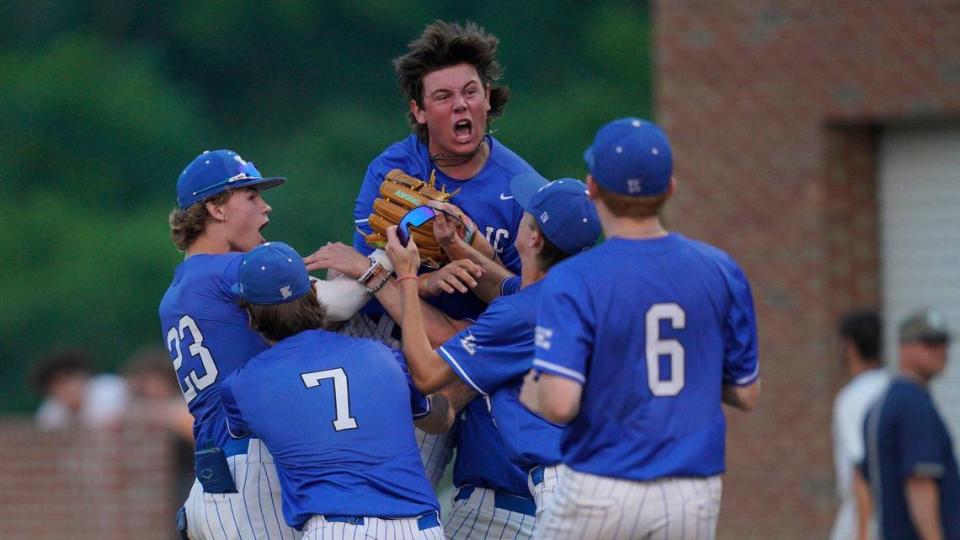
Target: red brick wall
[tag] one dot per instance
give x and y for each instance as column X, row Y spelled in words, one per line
column 99, row 485
column 771, row 107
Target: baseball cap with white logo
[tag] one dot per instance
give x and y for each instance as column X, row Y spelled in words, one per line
column 562, row 209
column 272, row 273
column 214, row 172
column 631, row 156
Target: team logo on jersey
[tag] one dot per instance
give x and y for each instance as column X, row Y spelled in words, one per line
column 469, row 344
column 285, row 292
column 634, row 185
column 542, row 337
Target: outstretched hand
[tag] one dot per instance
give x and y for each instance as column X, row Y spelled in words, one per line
column 340, row 257
column 458, row 276
column 406, row 260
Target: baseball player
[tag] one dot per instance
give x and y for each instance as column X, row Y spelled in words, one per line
column 493, row 354
column 449, row 75
column 220, row 213
column 334, row 411
column 637, row 343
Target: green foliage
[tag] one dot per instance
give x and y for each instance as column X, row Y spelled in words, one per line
column 103, row 103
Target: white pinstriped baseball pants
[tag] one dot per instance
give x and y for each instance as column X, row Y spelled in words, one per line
column 597, row 507
column 542, row 483
column 478, row 517
column 370, row 528
column 253, row 512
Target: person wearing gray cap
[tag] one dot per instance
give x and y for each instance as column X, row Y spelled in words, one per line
column 909, row 463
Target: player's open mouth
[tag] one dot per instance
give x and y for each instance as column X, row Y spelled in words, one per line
column 463, row 131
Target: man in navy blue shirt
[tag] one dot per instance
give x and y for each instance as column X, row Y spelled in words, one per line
column 909, row 462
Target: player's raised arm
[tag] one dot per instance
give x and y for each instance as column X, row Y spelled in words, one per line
column 430, row 373
column 477, row 251
column 375, row 274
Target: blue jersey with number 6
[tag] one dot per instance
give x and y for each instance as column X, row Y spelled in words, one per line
column 652, row 329
column 208, row 337
column 336, row 414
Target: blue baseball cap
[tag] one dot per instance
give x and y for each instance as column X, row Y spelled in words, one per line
column 214, row 172
column 562, row 210
column 631, row 156
column 272, row 273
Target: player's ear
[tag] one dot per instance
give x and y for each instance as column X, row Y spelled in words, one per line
column 536, row 240
column 672, row 186
column 417, row 112
column 215, row 211
column 592, row 190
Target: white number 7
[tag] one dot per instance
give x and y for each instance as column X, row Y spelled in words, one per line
column 341, row 395
column 657, row 347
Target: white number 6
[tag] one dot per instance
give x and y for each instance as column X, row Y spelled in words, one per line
column 657, row 347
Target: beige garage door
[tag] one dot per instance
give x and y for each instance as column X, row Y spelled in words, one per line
column 920, row 239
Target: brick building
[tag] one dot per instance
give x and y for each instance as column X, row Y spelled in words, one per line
column 98, row 484
column 819, row 143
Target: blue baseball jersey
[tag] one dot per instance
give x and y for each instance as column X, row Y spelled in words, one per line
column 208, row 337
column 652, row 329
column 492, row 356
column 335, row 413
column 483, row 459
column 486, row 198
column 904, row 435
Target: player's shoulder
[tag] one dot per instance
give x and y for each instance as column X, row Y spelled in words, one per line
column 703, row 249
column 409, row 154
column 219, row 264
column 202, row 275
column 506, row 160
column 523, row 303
column 515, row 308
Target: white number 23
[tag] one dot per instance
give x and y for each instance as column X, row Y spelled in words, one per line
column 192, row 383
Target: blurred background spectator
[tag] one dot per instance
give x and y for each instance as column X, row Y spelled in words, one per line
column 860, row 350
column 156, row 402
column 74, row 395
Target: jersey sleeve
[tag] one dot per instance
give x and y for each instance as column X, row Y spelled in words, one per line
column 918, row 443
column 363, row 206
column 493, row 350
column 236, row 425
column 419, row 403
column 510, row 285
column 565, row 321
column 741, row 366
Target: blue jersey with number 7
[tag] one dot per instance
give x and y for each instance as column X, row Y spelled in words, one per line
column 336, row 413
column 208, row 337
column 652, row 329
